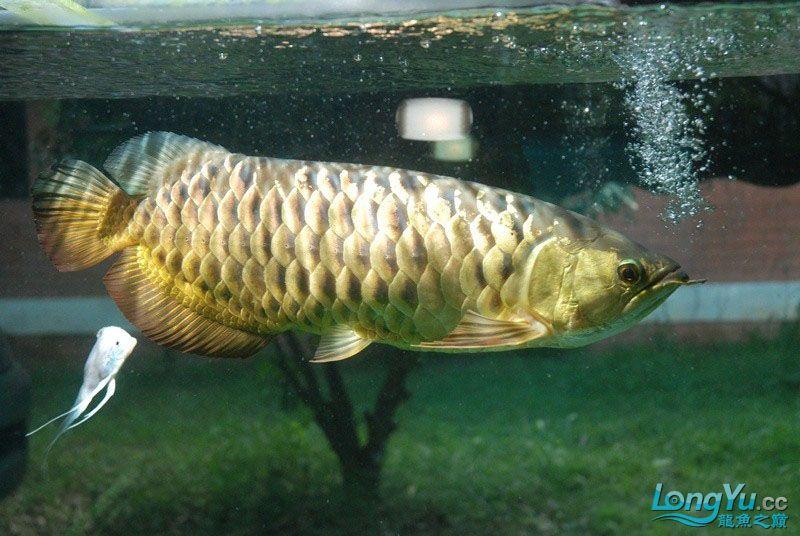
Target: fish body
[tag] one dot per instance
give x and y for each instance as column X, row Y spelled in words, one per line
column 110, row 350
column 222, row 251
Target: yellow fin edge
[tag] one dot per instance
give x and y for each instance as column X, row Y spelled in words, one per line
column 164, row 319
column 476, row 332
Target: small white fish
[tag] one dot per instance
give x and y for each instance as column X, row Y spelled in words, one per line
column 113, row 346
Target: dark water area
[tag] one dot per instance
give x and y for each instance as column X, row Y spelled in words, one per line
column 573, row 137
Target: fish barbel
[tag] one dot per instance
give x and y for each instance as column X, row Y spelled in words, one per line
column 222, row 251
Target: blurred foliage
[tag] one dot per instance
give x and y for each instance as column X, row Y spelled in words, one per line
column 610, row 197
column 543, row 442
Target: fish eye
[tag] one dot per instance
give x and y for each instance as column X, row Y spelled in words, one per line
column 630, row 272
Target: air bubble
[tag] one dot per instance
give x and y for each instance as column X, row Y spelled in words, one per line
column 666, row 140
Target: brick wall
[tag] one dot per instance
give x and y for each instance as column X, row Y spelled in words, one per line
column 26, row 271
column 751, row 233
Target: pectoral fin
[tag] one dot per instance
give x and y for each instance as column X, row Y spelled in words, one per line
column 476, row 331
column 339, row 344
column 75, row 411
column 110, row 390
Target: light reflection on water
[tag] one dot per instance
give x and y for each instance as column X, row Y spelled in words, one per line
column 461, row 49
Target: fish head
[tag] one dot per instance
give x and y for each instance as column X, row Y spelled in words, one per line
column 609, row 284
column 113, row 346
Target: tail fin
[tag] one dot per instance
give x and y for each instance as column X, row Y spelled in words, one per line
column 81, row 216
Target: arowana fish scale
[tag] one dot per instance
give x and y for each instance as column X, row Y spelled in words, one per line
column 222, row 251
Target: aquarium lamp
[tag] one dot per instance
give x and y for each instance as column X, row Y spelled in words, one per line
column 434, row 119
column 460, row 150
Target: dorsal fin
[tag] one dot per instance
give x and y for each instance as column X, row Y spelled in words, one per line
column 476, row 332
column 342, row 342
column 137, row 163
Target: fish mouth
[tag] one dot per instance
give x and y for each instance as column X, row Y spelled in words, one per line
column 672, row 275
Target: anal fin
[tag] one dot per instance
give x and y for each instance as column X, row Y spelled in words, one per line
column 341, row 343
column 478, row 332
column 148, row 305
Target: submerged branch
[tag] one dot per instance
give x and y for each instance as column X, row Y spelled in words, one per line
column 360, row 460
column 380, row 422
column 288, row 358
column 341, row 409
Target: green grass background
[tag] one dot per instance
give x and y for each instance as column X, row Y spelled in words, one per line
column 528, row 442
